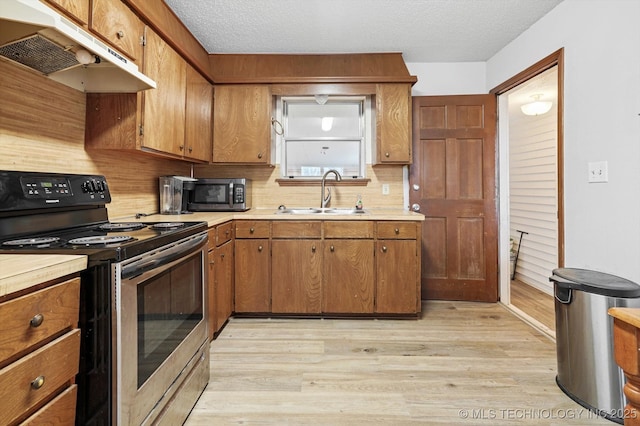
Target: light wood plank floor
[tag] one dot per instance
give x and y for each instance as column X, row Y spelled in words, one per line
column 462, row 363
column 534, row 303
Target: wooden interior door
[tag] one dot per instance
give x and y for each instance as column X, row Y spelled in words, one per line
column 453, row 183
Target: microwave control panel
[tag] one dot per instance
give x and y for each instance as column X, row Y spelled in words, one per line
column 238, row 194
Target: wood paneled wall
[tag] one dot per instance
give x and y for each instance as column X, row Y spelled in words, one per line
column 42, row 129
column 267, row 193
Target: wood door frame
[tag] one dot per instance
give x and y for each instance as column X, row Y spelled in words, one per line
column 554, row 59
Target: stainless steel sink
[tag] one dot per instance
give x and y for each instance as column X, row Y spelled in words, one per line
column 312, row 210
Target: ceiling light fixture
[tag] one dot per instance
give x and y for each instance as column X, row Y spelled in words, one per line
column 537, row 107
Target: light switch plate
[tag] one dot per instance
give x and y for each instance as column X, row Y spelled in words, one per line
column 598, row 171
column 385, row 189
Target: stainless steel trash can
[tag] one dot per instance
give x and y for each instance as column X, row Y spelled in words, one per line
column 587, row 370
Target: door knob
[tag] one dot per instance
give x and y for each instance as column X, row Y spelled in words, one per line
column 415, row 207
column 416, row 187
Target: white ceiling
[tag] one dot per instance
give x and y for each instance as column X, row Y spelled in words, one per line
column 423, row 30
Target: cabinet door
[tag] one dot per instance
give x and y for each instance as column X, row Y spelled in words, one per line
column 393, row 124
column 242, row 124
column 296, row 281
column 253, row 275
column 198, row 124
column 118, row 25
column 211, row 294
column 223, row 284
column 348, row 279
column 164, row 113
column 397, row 282
column 76, row 9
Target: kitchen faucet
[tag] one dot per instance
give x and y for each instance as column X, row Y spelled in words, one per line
column 325, row 200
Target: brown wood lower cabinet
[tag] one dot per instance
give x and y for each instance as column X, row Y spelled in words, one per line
column 39, row 355
column 296, row 276
column 221, row 276
column 327, row 267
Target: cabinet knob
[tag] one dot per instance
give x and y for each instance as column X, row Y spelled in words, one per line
column 397, row 231
column 259, row 155
column 181, row 147
column 36, row 321
column 37, row 383
column 226, row 232
column 332, row 248
column 213, row 262
column 120, row 34
column 190, row 149
column 384, row 249
column 313, row 248
column 386, row 154
column 251, row 230
column 221, row 255
column 259, row 248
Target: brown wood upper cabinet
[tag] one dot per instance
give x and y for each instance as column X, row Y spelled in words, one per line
column 114, row 22
column 393, row 124
column 198, row 125
column 172, row 120
column 242, row 124
column 77, row 10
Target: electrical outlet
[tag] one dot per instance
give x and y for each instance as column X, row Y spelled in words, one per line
column 598, row 171
column 385, row 189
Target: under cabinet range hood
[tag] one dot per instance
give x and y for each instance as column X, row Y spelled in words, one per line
column 39, row 38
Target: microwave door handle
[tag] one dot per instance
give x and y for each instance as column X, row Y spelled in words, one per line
column 231, row 194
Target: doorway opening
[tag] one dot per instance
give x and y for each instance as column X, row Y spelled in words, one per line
column 531, row 190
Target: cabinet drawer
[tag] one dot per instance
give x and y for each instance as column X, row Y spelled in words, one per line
column 56, row 362
column 297, row 229
column 397, row 230
column 348, row 229
column 224, row 233
column 56, row 306
column 252, row 228
column 60, row 411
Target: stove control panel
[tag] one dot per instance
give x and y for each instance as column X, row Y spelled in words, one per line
column 46, row 187
column 32, row 190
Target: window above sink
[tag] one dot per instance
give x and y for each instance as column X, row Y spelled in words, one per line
column 320, row 133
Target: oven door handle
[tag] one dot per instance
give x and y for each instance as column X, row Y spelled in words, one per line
column 163, row 257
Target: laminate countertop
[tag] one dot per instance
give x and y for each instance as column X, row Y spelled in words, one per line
column 21, row 271
column 215, row 218
column 629, row 315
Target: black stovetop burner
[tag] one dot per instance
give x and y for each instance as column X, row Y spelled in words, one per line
column 111, row 240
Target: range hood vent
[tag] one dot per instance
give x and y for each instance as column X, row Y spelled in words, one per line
column 35, row 36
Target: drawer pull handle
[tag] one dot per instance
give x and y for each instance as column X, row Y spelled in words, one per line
column 36, row 321
column 259, row 248
column 397, row 231
column 384, row 249
column 37, row 383
column 251, row 230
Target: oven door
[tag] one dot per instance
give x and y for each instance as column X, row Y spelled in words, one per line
column 160, row 323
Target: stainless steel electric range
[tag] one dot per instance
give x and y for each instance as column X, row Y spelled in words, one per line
column 142, row 310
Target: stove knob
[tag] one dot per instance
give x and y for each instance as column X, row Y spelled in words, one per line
column 86, row 186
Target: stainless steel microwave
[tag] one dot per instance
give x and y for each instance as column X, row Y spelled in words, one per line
column 220, row 195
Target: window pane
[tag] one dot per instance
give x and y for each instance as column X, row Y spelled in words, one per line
column 332, row 120
column 314, row 158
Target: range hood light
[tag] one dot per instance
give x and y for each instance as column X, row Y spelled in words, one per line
column 85, row 57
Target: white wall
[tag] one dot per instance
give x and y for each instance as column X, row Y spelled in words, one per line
column 448, row 78
column 601, row 41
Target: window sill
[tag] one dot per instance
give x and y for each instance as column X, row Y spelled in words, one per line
column 317, row 181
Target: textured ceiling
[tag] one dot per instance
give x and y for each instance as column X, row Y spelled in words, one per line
column 423, row 30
